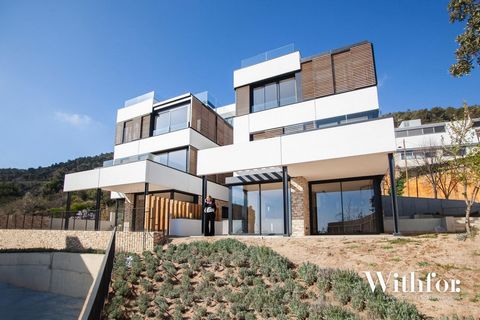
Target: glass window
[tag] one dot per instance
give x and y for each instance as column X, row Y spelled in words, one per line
column 330, row 122
column 415, row 132
column 179, row 118
column 401, row 134
column 178, row 159
column 162, row 158
column 358, row 207
column 162, row 123
column 327, row 207
column 344, row 207
column 271, row 96
column 272, row 208
column 439, row 129
column 258, row 99
column 288, row 92
column 427, row 130
column 246, row 209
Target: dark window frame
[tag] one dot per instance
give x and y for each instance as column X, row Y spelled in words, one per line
column 276, row 81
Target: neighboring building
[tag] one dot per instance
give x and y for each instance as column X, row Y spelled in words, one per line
column 156, row 146
column 306, row 155
column 419, row 143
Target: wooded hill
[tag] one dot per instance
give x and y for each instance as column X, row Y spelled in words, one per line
column 435, row 114
column 43, row 185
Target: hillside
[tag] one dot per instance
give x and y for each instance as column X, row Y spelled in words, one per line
column 436, row 114
column 43, row 185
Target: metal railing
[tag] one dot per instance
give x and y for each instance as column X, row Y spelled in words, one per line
column 93, row 306
column 65, row 220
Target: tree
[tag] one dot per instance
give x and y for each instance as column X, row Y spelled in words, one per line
column 469, row 41
column 465, row 164
column 431, row 163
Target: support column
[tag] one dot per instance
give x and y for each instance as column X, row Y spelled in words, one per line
column 116, row 212
column 286, row 216
column 67, row 209
column 204, row 196
column 97, row 208
column 393, row 193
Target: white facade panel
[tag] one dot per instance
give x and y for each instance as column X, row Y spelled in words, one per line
column 339, row 142
column 226, row 111
column 138, row 109
column 346, row 103
column 81, row 180
column 122, row 174
column 153, row 144
column 282, row 116
column 199, row 141
column 241, row 131
column 268, row 69
column 240, row 156
column 356, row 139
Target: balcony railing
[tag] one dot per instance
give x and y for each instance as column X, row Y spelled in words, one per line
column 268, row 55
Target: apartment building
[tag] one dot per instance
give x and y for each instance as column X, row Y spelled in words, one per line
column 419, row 143
column 301, row 151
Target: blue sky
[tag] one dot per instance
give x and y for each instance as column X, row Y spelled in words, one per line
column 66, row 66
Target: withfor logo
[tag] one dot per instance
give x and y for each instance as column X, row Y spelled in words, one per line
column 410, row 283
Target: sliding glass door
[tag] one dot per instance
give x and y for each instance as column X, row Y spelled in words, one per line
column 345, row 207
column 257, row 209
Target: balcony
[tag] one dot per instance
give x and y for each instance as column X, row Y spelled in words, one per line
column 320, row 153
column 268, row 55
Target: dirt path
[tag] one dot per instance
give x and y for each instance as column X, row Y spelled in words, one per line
column 448, row 257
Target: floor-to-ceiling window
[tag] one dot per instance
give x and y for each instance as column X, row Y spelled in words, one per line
column 345, row 207
column 257, row 209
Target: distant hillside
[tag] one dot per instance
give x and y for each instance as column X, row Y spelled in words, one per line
column 42, row 185
column 436, row 114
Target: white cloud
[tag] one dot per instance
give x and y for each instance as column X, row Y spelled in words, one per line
column 383, row 79
column 74, row 119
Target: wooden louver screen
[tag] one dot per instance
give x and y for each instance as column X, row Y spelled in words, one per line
column 339, row 72
column 159, row 210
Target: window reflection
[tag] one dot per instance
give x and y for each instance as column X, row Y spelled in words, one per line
column 171, row 120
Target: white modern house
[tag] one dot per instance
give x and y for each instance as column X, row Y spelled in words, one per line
column 306, row 153
column 418, row 143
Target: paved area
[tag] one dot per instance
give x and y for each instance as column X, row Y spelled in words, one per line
column 21, row 303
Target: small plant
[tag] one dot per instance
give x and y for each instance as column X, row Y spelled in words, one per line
column 146, row 285
column 338, row 313
column 308, row 272
column 161, row 304
column 324, row 280
column 142, row 303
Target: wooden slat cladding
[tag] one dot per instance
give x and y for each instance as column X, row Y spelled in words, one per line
column 342, row 71
column 146, row 126
column 267, row 134
column 363, row 68
column 119, row 133
column 339, row 72
column 224, row 132
column 192, row 161
column 210, row 124
column 243, row 100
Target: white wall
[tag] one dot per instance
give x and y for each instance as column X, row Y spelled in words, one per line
column 356, row 139
column 322, row 108
column 226, row 111
column 193, row 227
column 268, row 69
column 138, row 109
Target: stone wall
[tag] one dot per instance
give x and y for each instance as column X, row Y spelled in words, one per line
column 300, row 206
column 78, row 240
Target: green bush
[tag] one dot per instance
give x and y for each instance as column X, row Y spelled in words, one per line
column 142, row 302
column 343, row 281
column 299, row 309
column 338, row 313
column 324, row 280
column 308, row 272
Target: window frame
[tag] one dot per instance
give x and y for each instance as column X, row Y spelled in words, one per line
column 169, row 110
column 276, row 81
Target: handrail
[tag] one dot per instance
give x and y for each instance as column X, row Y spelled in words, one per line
column 93, row 306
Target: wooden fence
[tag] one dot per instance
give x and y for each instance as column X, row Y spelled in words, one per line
column 158, row 212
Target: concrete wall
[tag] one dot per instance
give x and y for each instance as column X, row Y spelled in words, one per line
column 410, row 206
column 69, row 274
column 422, row 225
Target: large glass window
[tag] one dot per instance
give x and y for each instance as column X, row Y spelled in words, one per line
column 171, row 120
column 344, row 207
column 257, row 209
column 288, row 91
column 274, row 94
column 175, row 159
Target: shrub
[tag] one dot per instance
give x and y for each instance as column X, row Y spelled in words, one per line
column 161, row 304
column 299, row 309
column 399, row 310
column 146, row 285
column 342, row 284
column 324, row 280
column 209, row 276
column 142, row 303
column 308, row 272
column 338, row 313
column 121, row 288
